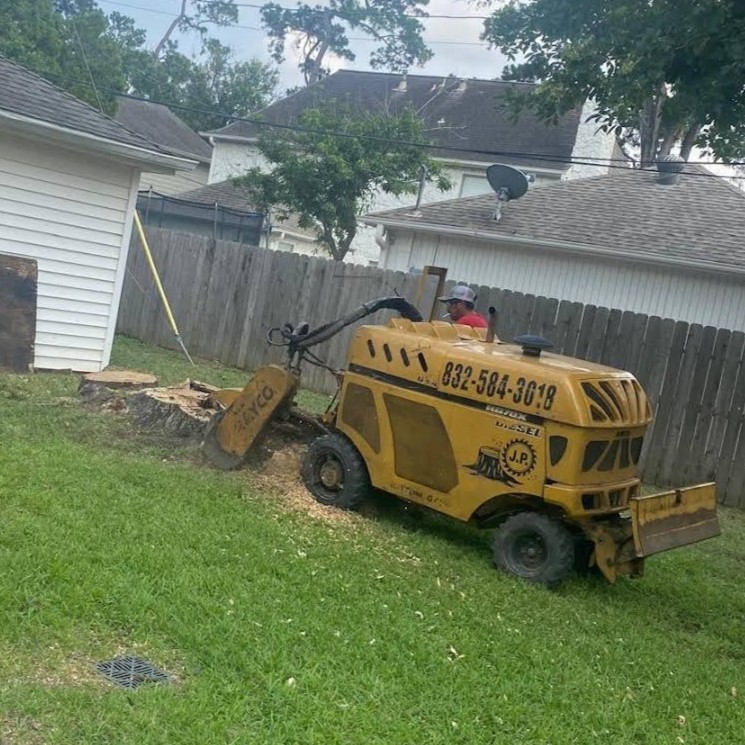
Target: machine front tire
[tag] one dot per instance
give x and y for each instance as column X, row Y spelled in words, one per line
column 335, row 473
column 534, row 547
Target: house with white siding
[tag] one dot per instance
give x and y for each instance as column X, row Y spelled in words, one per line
column 624, row 240
column 468, row 122
column 68, row 185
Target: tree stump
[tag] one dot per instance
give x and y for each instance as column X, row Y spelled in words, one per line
column 182, row 411
column 99, row 388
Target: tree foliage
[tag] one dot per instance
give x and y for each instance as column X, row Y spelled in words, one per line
column 669, row 73
column 322, row 29
column 196, row 15
column 207, row 87
column 77, row 46
column 327, row 180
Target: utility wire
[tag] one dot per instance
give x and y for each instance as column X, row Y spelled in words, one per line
column 576, row 160
column 261, row 30
column 409, row 15
column 87, row 66
column 617, row 163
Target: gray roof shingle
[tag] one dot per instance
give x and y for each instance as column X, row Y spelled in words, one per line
column 700, row 220
column 159, row 124
column 466, row 115
column 27, row 94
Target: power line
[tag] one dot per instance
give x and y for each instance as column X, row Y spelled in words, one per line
column 261, row 30
column 615, row 163
column 409, row 15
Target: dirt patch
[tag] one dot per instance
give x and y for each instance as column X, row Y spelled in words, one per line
column 17, row 729
column 65, row 669
column 275, row 470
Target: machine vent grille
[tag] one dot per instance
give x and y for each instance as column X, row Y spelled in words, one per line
column 620, row 402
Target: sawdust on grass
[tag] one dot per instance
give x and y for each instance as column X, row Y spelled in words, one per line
column 277, row 473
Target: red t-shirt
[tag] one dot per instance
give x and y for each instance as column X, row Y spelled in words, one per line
column 474, row 319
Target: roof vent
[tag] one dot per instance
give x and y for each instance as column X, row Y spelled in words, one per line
column 401, row 87
column 532, row 345
column 669, row 168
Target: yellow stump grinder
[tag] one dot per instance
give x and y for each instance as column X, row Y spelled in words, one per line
column 541, row 446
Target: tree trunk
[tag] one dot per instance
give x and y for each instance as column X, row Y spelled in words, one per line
column 689, row 140
column 668, row 141
column 649, row 127
column 314, row 74
column 171, row 29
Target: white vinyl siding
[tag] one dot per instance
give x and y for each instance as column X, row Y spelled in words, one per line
column 178, row 183
column 68, row 211
column 472, row 185
column 683, row 294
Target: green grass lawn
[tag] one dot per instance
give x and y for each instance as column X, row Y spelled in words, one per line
column 283, row 625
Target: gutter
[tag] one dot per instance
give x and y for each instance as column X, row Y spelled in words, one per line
column 580, row 249
column 476, row 165
column 163, row 162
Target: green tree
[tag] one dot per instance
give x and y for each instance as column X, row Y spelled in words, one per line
column 204, row 89
column 30, row 34
column 195, row 16
column 323, row 29
column 222, row 84
column 94, row 56
column 664, row 73
column 327, row 180
column 67, row 41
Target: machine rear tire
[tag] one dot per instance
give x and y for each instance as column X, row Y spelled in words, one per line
column 534, row 547
column 335, row 473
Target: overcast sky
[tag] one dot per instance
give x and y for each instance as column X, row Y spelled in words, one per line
column 454, row 41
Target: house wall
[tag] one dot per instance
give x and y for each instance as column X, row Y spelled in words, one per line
column 178, row 183
column 231, row 159
column 70, row 213
column 294, row 244
column 234, row 159
column 695, row 297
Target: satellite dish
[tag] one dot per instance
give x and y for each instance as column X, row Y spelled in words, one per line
column 508, row 183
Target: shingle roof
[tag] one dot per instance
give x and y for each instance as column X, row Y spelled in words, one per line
column 160, row 125
column 463, row 115
column 227, row 194
column 701, row 219
column 25, row 93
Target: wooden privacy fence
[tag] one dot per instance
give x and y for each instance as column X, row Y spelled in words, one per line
column 226, row 296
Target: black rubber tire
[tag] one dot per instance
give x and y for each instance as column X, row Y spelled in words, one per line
column 336, row 451
column 534, row 547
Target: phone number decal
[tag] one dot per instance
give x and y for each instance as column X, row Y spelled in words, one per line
column 490, row 383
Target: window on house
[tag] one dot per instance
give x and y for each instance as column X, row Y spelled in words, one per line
column 472, row 185
column 285, row 246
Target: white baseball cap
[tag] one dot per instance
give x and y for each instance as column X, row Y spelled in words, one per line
column 460, row 292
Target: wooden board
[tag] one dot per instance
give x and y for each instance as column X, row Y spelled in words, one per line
column 722, row 404
column 697, row 416
column 18, row 290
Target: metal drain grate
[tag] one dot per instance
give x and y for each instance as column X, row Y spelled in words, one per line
column 130, row 672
